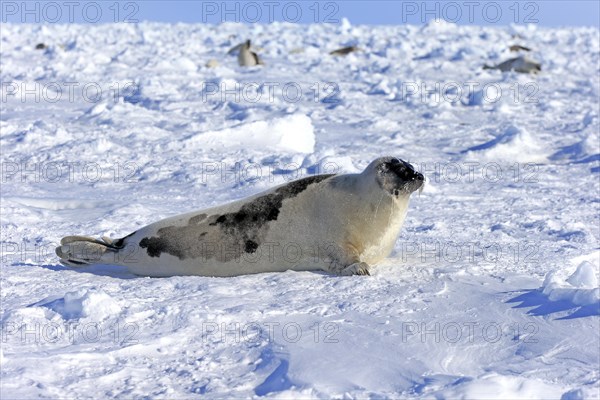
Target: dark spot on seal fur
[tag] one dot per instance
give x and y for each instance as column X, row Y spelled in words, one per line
column 251, row 246
column 156, row 246
column 255, row 214
column 219, row 220
column 242, row 230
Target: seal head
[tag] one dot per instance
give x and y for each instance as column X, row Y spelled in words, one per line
column 395, row 176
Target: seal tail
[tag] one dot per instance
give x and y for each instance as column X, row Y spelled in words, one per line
column 76, row 251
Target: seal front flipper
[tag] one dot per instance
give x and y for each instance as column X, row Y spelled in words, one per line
column 355, row 268
column 359, row 268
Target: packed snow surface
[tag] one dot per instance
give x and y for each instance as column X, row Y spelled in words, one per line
column 491, row 290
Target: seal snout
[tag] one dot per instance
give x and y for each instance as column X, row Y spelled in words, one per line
column 412, row 180
column 419, row 177
column 405, row 170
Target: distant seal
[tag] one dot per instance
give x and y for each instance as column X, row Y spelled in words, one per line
column 246, row 57
column 518, row 47
column 344, row 51
column 521, row 64
column 212, row 63
column 337, row 223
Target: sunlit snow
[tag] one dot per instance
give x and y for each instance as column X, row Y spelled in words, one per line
column 490, row 292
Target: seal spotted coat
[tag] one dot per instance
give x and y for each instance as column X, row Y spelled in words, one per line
column 338, row 223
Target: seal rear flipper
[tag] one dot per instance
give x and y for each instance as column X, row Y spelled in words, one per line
column 77, row 238
column 75, row 251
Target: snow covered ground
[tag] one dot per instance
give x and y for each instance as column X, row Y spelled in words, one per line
column 491, row 292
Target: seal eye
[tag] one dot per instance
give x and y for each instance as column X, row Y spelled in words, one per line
column 396, row 165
